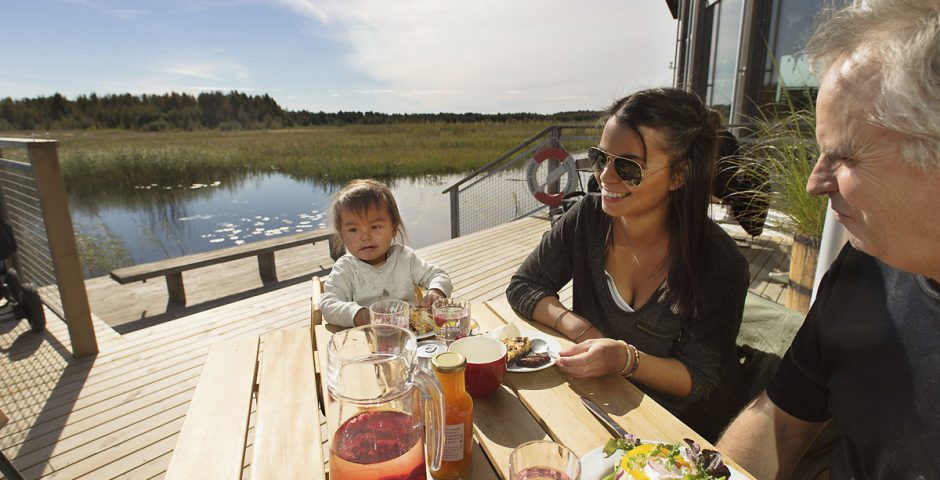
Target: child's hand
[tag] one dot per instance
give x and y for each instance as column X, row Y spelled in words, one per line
column 362, row 317
column 432, row 296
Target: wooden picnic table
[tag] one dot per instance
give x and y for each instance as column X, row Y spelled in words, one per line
column 271, row 377
column 287, row 443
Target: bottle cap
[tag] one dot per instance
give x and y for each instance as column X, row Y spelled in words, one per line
column 449, row 362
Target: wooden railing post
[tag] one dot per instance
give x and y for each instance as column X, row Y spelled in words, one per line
column 555, row 141
column 61, row 238
column 455, row 212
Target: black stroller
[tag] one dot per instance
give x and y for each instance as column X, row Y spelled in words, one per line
column 21, row 298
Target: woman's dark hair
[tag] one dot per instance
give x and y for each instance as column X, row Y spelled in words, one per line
column 358, row 197
column 689, row 132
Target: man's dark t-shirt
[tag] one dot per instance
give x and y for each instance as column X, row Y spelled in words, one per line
column 868, row 357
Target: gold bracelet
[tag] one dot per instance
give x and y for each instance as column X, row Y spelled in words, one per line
column 590, row 326
column 636, row 362
column 626, row 366
column 558, row 318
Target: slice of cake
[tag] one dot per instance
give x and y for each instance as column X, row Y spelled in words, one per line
column 516, row 347
column 421, row 321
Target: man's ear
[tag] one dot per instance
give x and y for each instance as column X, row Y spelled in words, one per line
column 679, row 171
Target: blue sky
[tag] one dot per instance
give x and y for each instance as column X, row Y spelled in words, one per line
column 403, row 56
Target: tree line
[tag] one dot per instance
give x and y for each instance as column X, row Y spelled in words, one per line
column 215, row 110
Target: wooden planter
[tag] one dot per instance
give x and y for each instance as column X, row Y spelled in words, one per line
column 803, row 257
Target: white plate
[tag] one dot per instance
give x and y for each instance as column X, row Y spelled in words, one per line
column 594, row 466
column 553, row 349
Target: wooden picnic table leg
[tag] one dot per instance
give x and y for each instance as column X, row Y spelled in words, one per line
column 174, row 286
column 6, row 466
column 266, row 266
column 8, row 470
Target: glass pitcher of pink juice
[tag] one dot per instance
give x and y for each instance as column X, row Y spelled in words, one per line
column 377, row 406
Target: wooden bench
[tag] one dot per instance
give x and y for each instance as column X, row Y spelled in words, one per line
column 173, row 268
column 286, row 444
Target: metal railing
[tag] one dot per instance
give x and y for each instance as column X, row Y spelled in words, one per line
column 33, row 202
column 499, row 192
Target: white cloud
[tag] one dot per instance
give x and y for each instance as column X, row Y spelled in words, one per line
column 497, row 55
column 306, row 7
column 128, row 13
column 216, row 69
column 114, row 11
column 84, row 3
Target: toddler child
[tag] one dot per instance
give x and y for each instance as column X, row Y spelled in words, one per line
column 366, row 219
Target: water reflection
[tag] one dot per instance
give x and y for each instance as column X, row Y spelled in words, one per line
column 132, row 224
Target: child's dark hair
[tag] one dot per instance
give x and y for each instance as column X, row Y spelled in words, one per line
column 360, row 196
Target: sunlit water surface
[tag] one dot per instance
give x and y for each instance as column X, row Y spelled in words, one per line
column 167, row 221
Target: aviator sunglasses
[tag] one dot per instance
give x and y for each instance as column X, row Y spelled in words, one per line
column 627, row 169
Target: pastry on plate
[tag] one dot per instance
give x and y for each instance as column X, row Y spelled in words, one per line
column 516, row 347
column 533, row 360
column 421, row 320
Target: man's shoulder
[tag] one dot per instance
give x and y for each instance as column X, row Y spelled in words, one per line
column 852, row 264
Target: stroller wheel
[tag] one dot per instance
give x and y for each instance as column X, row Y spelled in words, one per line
column 13, row 286
column 34, row 312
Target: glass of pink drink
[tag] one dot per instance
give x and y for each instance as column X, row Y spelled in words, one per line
column 544, row 460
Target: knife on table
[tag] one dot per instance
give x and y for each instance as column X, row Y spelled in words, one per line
column 605, row 419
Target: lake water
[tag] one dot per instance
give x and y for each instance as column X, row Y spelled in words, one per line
column 166, row 221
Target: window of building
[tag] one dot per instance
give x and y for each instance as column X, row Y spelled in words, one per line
column 725, row 18
column 785, row 74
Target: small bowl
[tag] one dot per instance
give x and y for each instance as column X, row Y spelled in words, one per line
column 486, row 364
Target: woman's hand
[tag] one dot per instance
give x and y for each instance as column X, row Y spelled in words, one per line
column 432, row 296
column 593, row 358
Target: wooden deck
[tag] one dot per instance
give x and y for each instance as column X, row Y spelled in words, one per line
column 118, row 415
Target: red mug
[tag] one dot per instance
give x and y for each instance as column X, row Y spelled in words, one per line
column 486, row 363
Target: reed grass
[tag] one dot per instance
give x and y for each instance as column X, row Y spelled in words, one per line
column 782, row 158
column 331, row 155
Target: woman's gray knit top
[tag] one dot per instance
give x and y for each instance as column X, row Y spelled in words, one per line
column 574, row 251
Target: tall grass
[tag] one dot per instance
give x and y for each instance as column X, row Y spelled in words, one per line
column 330, row 155
column 782, row 159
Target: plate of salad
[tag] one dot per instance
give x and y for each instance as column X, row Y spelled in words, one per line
column 632, row 459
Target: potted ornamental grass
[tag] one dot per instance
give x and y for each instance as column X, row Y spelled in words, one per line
column 778, row 155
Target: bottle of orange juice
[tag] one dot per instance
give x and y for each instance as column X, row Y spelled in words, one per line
column 458, row 417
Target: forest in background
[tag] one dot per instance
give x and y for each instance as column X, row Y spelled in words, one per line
column 217, row 111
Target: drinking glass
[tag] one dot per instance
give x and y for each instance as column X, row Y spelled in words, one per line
column 452, row 316
column 390, row 312
column 543, row 460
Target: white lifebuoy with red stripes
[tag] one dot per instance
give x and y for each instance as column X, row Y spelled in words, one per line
column 567, row 166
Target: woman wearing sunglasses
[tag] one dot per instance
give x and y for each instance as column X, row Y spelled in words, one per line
column 658, row 288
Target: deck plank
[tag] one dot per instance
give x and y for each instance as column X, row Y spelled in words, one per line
column 287, row 365
column 216, row 425
column 176, row 364
column 118, row 414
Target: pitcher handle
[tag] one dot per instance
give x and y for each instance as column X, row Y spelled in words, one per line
column 434, row 433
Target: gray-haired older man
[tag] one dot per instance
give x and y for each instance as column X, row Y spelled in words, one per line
column 868, row 354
